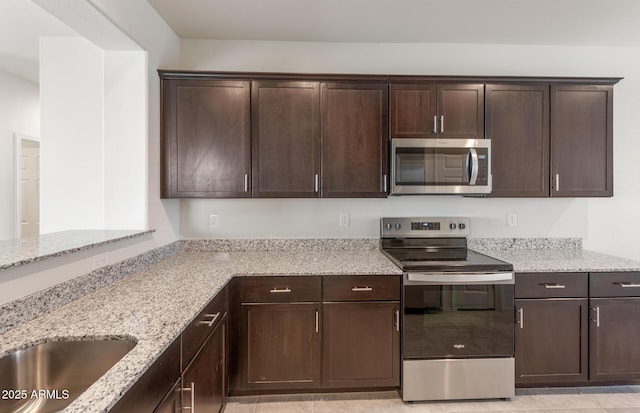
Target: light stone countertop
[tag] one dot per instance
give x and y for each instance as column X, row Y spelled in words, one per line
column 562, row 260
column 18, row 252
column 154, row 306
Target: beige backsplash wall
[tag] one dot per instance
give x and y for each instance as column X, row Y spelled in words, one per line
column 607, row 225
column 308, row 218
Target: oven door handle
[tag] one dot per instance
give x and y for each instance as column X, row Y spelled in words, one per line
column 458, row 278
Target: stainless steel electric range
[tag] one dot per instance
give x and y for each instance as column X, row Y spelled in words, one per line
column 458, row 312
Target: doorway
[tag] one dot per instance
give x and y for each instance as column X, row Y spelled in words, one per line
column 27, row 171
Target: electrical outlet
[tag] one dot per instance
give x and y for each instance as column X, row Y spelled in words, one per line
column 214, row 221
column 344, row 219
column 512, row 219
column 100, row 260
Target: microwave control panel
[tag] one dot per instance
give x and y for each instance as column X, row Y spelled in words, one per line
column 483, row 169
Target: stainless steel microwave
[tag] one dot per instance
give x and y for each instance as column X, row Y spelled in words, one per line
column 440, row 166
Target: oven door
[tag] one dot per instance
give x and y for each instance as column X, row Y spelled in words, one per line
column 433, row 166
column 457, row 316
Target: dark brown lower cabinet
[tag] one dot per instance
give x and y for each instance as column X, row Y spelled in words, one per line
column 361, row 345
column 281, row 346
column 614, row 339
column 551, row 340
column 204, row 380
column 172, row 402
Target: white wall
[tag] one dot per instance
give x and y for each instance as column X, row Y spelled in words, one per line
column 71, row 110
column 607, row 225
column 138, row 20
column 125, row 149
column 19, row 112
column 120, row 108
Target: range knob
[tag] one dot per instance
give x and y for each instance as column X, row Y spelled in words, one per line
column 452, row 226
column 398, row 226
column 462, row 225
column 388, row 227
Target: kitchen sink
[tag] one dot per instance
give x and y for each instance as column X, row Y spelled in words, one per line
column 47, row 377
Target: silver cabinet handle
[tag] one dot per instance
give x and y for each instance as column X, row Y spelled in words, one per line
column 474, row 166
column 520, row 312
column 557, row 182
column 355, row 289
column 397, row 320
column 441, row 123
column 280, row 290
column 384, row 183
column 213, row 320
column 317, row 183
column 435, row 124
column 553, row 285
column 597, row 319
column 317, row 322
column 628, row 285
column 192, row 406
column 246, row 182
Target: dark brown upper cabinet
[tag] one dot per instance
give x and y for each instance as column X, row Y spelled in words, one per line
column 205, row 138
column 517, row 122
column 581, row 141
column 285, row 119
column 446, row 110
column 354, row 140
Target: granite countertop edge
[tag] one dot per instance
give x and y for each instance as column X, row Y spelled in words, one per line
column 58, row 244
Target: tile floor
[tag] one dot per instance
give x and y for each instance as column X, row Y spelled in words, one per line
column 619, row 399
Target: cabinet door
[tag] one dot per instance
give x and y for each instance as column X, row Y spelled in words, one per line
column 581, row 141
column 204, row 380
column 413, row 111
column 354, row 140
column 361, row 345
column 281, row 346
column 461, row 111
column 172, row 402
column 285, row 139
column 517, row 122
column 614, row 339
column 206, row 138
column 551, row 340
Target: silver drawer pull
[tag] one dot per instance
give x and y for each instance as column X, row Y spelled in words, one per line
column 356, row 289
column 553, row 285
column 280, row 290
column 213, row 319
column 629, row 285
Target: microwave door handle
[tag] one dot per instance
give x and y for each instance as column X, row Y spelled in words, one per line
column 474, row 166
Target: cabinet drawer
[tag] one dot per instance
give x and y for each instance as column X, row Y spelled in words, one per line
column 614, row 284
column 280, row 289
column 361, row 288
column 550, row 285
column 200, row 328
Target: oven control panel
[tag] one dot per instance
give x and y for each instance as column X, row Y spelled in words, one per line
column 424, row 227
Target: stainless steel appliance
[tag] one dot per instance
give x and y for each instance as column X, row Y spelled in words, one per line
column 440, row 166
column 458, row 312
